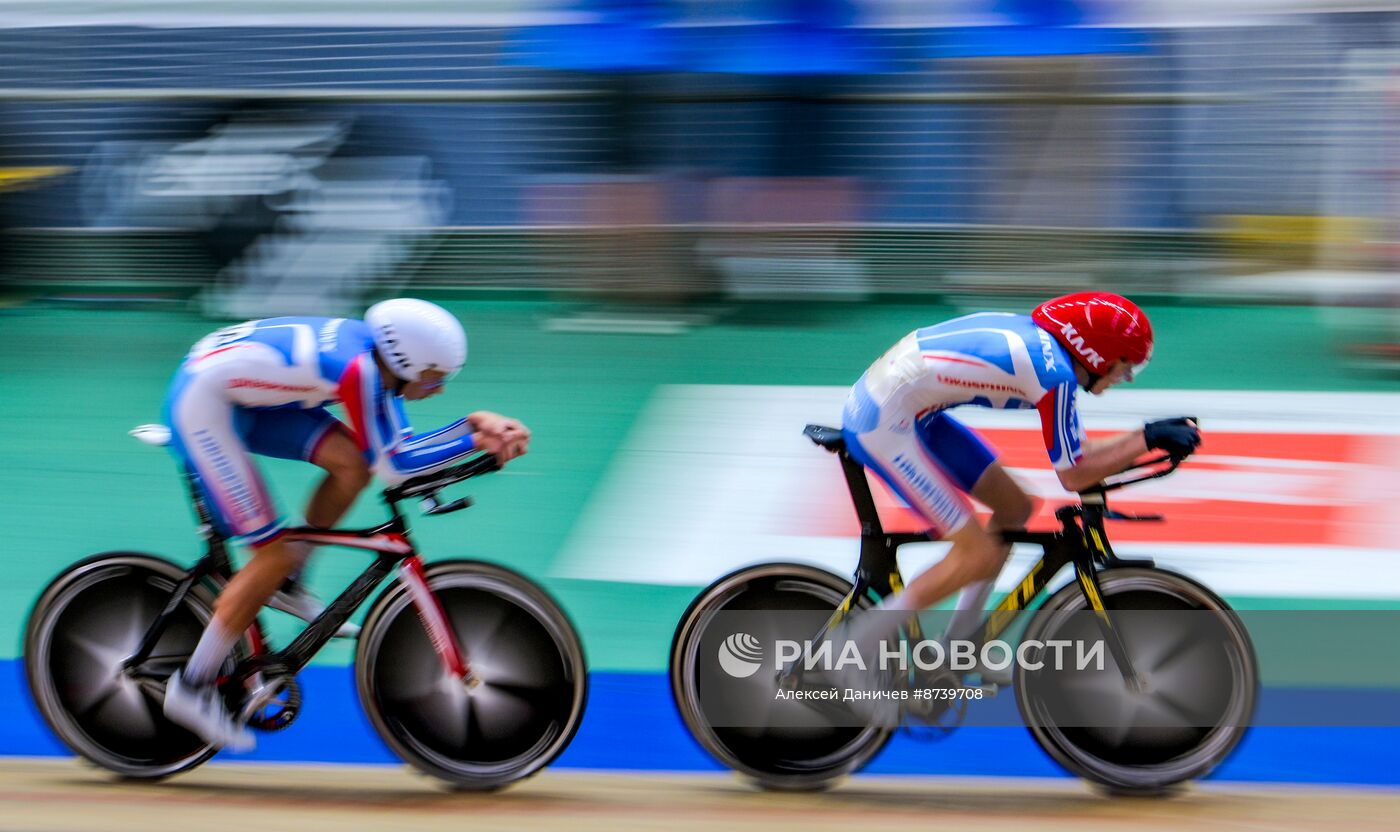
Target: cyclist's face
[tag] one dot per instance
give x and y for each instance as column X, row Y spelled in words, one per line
column 1120, row 372
column 429, row 384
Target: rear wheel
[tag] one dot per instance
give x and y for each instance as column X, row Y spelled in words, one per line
column 784, row 754
column 533, row 680
column 83, row 628
column 1202, row 678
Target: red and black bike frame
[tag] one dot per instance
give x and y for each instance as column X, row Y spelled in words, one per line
column 393, row 549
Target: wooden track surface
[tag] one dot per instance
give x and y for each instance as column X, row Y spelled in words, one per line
column 64, row 796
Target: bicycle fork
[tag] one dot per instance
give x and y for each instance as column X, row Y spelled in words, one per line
column 1089, row 584
column 434, row 618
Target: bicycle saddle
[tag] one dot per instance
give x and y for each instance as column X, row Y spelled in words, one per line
column 158, row 435
column 829, row 438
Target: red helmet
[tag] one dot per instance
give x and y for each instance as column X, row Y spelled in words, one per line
column 1098, row 328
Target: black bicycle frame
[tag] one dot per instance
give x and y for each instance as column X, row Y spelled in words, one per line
column 1081, row 540
column 215, row 564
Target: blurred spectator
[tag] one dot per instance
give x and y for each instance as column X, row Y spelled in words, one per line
column 803, row 50
column 292, row 223
column 15, row 177
column 618, row 201
column 6, row 222
column 784, row 238
column 617, row 52
column 1051, row 158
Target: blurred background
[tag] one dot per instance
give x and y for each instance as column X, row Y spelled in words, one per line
column 676, row 231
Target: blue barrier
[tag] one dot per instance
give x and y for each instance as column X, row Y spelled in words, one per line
column 631, row 724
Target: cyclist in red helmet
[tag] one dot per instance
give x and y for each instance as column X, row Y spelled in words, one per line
column 1103, row 332
column 897, row 423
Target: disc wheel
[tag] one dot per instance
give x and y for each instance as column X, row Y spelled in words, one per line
column 81, row 631
column 1202, row 684
column 785, row 754
column 532, row 677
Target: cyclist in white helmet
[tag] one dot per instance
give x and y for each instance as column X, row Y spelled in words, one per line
column 262, row 387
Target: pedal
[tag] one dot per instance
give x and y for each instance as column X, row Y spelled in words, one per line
column 988, row 688
column 935, row 717
column 937, row 722
column 271, row 704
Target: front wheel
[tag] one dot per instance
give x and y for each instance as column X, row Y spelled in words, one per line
column 786, row 751
column 83, row 628
column 1199, row 667
column 533, row 680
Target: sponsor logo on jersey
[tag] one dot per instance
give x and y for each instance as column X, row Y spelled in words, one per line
column 1047, row 349
column 1077, row 341
column 259, row 384
column 245, row 504
column 327, row 334
column 953, row 381
column 937, row 499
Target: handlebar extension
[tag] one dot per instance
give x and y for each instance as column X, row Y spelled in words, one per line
column 429, row 484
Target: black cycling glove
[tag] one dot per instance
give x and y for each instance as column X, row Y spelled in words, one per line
column 1177, row 437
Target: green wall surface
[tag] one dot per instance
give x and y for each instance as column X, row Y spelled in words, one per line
column 73, row 381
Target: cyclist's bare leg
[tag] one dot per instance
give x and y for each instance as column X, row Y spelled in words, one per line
column 191, row 699
column 976, row 555
column 273, row 562
column 1011, row 508
column 250, row 587
column 346, row 476
column 975, row 559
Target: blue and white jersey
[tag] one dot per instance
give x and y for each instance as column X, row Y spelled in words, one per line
column 989, row 359
column 313, row 362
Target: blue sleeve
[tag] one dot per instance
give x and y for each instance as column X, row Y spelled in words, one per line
column 1059, row 422
column 417, row 455
column 382, row 429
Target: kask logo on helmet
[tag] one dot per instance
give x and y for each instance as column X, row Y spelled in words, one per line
column 414, row 336
column 391, row 348
column 1098, row 329
column 1077, row 341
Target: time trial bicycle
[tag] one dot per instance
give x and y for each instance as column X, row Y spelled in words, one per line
column 1214, row 697
column 468, row 671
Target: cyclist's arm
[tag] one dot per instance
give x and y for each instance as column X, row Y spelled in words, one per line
column 382, row 431
column 1078, row 461
column 456, row 430
column 494, row 424
column 1103, row 458
column 407, row 461
column 421, row 453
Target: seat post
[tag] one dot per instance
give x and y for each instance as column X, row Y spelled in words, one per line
column 861, row 497
column 216, row 554
column 201, row 510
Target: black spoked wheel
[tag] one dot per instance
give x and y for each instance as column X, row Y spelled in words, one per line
column 1202, row 683
column 787, row 751
column 86, row 624
column 532, row 686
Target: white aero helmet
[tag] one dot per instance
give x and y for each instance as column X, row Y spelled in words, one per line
column 413, row 335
